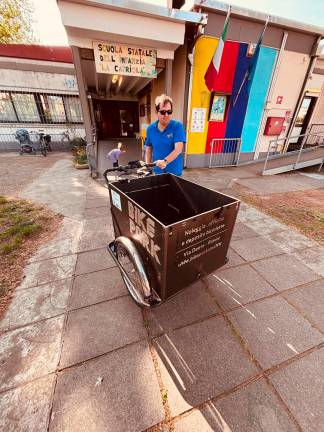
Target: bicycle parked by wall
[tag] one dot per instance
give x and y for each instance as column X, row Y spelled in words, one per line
column 27, row 146
column 44, row 143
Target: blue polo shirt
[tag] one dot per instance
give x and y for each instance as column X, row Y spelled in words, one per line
column 162, row 144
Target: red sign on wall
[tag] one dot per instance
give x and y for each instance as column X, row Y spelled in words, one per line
column 279, row 99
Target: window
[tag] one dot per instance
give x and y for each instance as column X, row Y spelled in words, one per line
column 7, row 112
column 73, row 109
column 25, row 106
column 53, row 108
column 45, row 108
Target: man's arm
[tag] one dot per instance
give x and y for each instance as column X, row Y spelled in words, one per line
column 148, row 154
column 178, row 147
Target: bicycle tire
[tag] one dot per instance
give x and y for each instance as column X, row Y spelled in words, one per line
column 43, row 148
column 134, row 274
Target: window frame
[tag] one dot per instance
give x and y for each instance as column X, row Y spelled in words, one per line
column 39, row 107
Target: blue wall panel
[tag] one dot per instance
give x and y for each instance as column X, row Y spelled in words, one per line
column 257, row 97
column 237, row 112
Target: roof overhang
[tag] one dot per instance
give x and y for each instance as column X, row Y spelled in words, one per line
column 216, row 6
column 128, row 22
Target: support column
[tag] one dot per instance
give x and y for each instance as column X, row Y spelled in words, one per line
column 168, row 77
column 82, row 86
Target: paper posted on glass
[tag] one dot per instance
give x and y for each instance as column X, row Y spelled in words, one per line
column 198, row 118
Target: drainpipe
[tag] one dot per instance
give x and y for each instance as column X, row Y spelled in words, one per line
column 191, row 60
column 191, row 57
column 270, row 93
column 309, row 72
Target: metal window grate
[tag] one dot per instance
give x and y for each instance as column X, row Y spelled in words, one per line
column 45, row 108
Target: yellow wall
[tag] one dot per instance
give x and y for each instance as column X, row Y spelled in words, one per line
column 200, row 95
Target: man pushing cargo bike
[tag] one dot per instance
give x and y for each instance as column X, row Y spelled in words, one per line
column 169, row 232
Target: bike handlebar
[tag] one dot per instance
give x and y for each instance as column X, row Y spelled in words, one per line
column 130, row 166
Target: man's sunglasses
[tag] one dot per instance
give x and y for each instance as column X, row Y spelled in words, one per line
column 163, row 112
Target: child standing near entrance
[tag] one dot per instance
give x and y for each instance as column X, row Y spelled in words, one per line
column 114, row 154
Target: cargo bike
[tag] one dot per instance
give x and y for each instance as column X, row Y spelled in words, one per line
column 169, row 232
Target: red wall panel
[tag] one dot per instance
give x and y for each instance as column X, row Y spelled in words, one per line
column 224, row 85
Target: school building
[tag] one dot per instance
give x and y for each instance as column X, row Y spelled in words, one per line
column 38, row 92
column 127, row 53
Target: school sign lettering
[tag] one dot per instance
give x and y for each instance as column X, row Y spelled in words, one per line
column 117, row 59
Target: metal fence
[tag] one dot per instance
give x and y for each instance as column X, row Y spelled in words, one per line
column 59, row 142
column 224, row 152
column 305, row 142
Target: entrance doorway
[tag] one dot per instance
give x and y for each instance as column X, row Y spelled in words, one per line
column 116, row 119
column 304, row 114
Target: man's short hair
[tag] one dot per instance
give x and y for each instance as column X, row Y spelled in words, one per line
column 162, row 100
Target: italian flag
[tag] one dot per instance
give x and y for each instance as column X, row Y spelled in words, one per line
column 213, row 69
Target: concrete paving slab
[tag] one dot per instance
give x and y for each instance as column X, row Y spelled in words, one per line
column 38, row 303
column 289, row 240
column 201, row 361
column 255, row 248
column 69, row 228
column 56, row 248
column 237, row 286
column 116, row 392
column 265, row 226
column 284, row 272
column 100, row 193
column 191, row 305
column 274, row 331
column 97, row 287
column 253, row 408
column 49, row 270
column 309, row 299
column 101, row 328
column 94, row 260
column 95, row 239
column 233, row 259
column 249, row 214
column 312, row 258
column 30, row 352
column 242, row 231
column 94, row 203
column 301, row 384
column 27, row 408
column 101, row 225
column 96, row 212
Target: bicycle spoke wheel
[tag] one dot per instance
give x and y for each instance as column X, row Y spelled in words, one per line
column 134, row 275
column 43, row 149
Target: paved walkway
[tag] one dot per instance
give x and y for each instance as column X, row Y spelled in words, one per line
column 242, row 351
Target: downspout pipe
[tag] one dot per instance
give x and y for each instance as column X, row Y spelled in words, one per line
column 270, row 93
column 190, row 59
column 310, row 69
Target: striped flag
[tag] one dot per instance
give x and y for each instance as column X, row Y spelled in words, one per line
column 249, row 74
column 255, row 57
column 213, row 68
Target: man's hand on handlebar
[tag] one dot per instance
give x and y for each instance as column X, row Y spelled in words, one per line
column 161, row 163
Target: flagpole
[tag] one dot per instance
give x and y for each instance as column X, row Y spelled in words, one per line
column 239, row 90
column 214, row 66
column 248, row 71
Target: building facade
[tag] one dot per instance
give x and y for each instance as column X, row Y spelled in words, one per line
column 284, row 99
column 286, row 89
column 38, row 92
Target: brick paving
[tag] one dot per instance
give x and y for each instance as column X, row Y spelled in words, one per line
column 242, row 350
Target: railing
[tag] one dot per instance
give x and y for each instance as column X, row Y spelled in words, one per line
column 277, row 148
column 59, row 141
column 224, row 152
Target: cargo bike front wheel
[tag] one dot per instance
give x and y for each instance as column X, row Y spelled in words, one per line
column 133, row 273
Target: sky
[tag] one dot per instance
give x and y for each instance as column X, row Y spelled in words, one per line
column 50, row 31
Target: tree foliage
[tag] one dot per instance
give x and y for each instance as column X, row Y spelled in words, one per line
column 16, row 19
